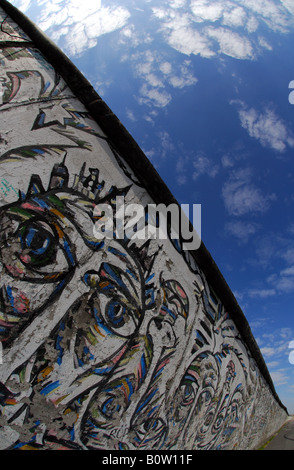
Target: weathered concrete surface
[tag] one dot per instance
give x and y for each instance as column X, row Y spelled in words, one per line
column 114, row 343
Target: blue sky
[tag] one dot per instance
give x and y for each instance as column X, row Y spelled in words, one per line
column 203, row 87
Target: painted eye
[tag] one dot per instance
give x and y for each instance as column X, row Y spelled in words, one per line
column 116, row 314
column 36, row 250
column 39, row 248
column 188, row 394
column 150, row 431
column 119, row 302
column 120, row 316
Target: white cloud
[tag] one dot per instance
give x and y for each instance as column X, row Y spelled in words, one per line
column 272, row 247
column 194, row 27
column 275, row 349
column 166, row 143
column 204, row 166
column 227, row 161
column 131, row 36
column 284, row 282
column 184, row 78
column 261, row 293
column 153, row 96
column 157, row 74
column 130, row 115
column 153, row 80
column 272, row 13
column 270, row 250
column 241, row 230
column 181, row 169
column 272, row 364
column 151, row 154
column 280, row 377
column 177, row 3
column 103, row 84
column 288, row 254
column 263, row 43
column 195, row 166
column 266, row 251
column 266, row 127
column 80, row 23
column 203, row 10
column 160, row 13
column 181, row 180
column 144, row 62
column 190, row 30
column 288, row 271
column 289, row 5
column 241, row 196
column 24, row 5
column 180, row 33
column 187, row 26
column 260, row 322
column 231, row 43
column 268, row 351
column 188, row 41
column 234, row 17
column 252, row 24
column 285, row 333
column 165, row 68
column 152, row 90
column 164, row 148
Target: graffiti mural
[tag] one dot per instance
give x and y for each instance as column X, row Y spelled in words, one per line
column 112, row 343
column 106, row 347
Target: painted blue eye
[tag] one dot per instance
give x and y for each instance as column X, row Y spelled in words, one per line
column 37, row 241
column 110, row 407
column 39, row 245
column 119, row 302
column 116, row 314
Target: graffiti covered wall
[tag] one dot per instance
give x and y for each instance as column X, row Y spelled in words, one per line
column 107, row 344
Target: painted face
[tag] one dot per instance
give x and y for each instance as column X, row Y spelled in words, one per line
column 35, row 251
column 103, row 347
column 129, row 411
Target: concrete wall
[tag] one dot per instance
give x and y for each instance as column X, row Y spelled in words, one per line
column 113, row 344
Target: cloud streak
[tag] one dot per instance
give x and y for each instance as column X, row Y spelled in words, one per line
column 159, row 77
column 80, row 24
column 208, row 29
column 284, row 281
column 242, row 231
column 194, row 166
column 266, row 127
column 196, row 27
column 223, row 27
column 231, row 43
column 241, row 196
